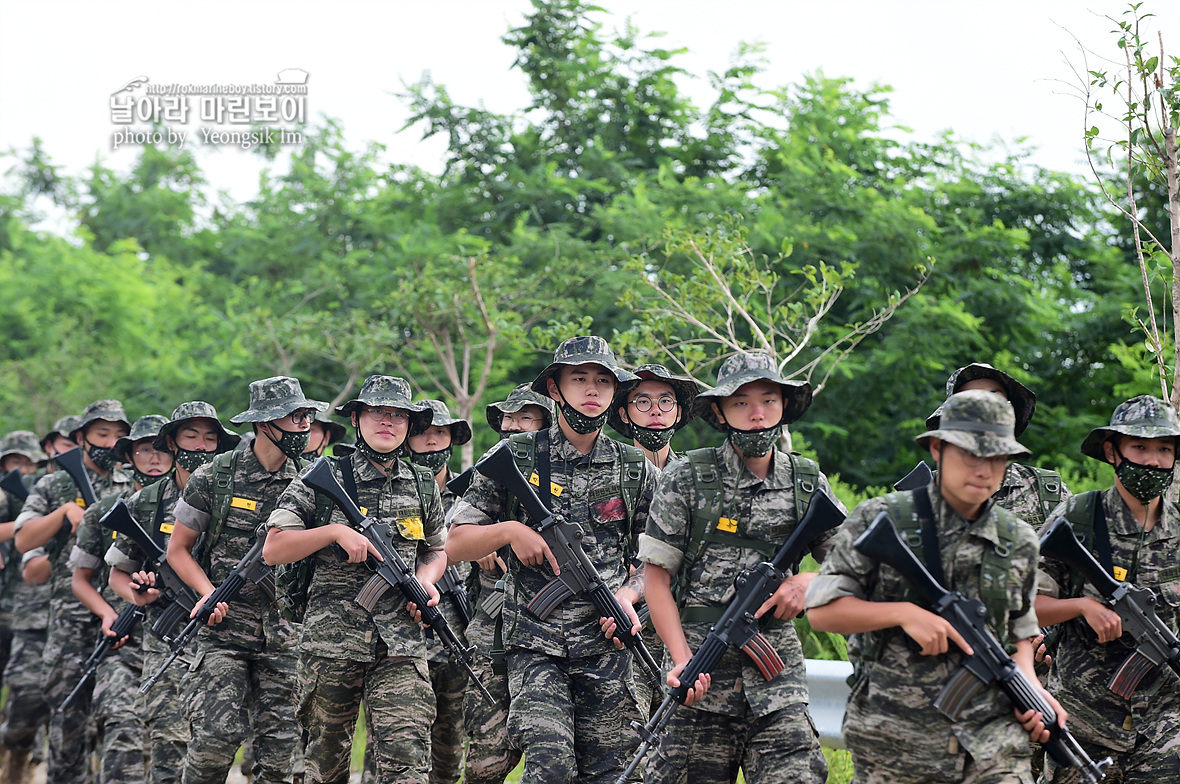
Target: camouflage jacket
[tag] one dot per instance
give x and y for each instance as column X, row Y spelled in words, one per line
column 1020, row 495
column 899, row 688
column 1083, row 666
column 48, row 494
column 254, row 621
column 764, row 510
column 446, row 605
column 590, row 496
column 90, row 546
column 30, row 603
column 334, row 625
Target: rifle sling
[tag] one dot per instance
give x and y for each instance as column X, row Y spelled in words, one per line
column 701, row 614
column 930, row 552
column 348, row 479
column 1102, row 538
column 543, row 469
column 158, row 518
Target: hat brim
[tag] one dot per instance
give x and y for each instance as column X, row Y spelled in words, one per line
column 494, row 412
column 1092, row 446
column 1023, row 400
column 277, row 410
column 605, row 362
column 796, row 396
column 420, row 415
column 978, row 444
column 226, row 439
column 35, row 456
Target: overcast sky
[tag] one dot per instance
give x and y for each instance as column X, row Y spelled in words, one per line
column 986, row 70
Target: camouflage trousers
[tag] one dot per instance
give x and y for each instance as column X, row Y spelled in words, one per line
column 166, row 713
column 572, row 717
column 67, row 645
column 1150, row 762
column 122, row 736
column 1001, row 769
column 27, row 711
column 779, row 748
column 490, row 758
column 650, row 697
column 234, row 691
column 6, row 635
column 449, row 681
column 400, row 709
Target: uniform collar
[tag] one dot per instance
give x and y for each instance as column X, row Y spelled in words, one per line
column 1122, row 522
column 779, row 477
column 948, row 519
column 560, row 447
column 256, row 471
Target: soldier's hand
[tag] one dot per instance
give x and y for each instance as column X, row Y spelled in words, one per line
column 1034, row 723
column 144, row 588
column 434, row 595
column 74, row 514
column 218, row 614
column 531, row 549
column 1041, row 654
column 491, row 562
column 355, row 545
column 789, row 599
column 1105, row 622
column 108, row 619
column 932, row 633
column 609, row 627
column 698, row 690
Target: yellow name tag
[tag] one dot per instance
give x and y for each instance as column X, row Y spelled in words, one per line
column 114, row 535
column 728, row 525
column 534, row 480
column 411, row 528
column 243, row 503
column 1120, row 574
column 556, row 490
column 166, row 528
column 365, row 511
column 80, row 502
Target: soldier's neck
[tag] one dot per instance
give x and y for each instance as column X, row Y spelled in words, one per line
column 583, row 442
column 658, row 459
column 86, row 461
column 1145, row 514
column 267, row 453
column 181, row 476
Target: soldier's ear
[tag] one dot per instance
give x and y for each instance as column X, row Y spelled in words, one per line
column 553, row 389
column 935, row 445
column 718, row 414
column 354, row 417
column 623, row 414
column 1109, row 448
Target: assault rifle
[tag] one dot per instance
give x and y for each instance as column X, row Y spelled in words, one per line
column 1155, row 643
column 251, row 569
column 738, row 626
column 14, row 484
column 452, row 586
column 578, row 576
column 459, row 483
column 919, row 477
column 176, row 600
column 391, row 571
column 71, row 463
column 989, row 663
column 122, row 627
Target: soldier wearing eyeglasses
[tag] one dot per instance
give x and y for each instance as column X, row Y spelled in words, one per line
column 246, row 658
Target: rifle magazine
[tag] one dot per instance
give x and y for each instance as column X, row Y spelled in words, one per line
column 764, row 656
column 958, row 692
column 1130, row 674
column 372, row 592
column 549, row 598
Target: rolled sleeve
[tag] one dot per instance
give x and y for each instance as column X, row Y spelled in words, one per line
column 190, row 517
column 117, row 559
column 463, row 513
column 1047, row 585
column 827, row 588
column 660, row 553
column 36, row 552
column 80, row 559
column 285, row 520
column 1022, row 627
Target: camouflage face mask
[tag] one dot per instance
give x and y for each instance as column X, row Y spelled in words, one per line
column 101, row 456
column 579, row 422
column 143, row 480
column 191, row 460
column 293, row 443
column 374, row 455
column 652, row 439
column 1143, row 481
column 432, row 460
column 754, row 443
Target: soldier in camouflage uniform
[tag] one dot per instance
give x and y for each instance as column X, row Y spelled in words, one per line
column 324, row 433
column 58, row 439
column 244, row 679
column 432, row 450
column 347, row 653
column 890, row 725
column 737, row 718
column 116, row 709
column 193, row 436
column 19, row 451
column 572, row 692
column 51, row 517
column 1141, row 734
column 490, row 758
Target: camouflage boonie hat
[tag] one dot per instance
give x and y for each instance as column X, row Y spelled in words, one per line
column 1023, row 401
column 441, row 417
column 144, row 427
column 580, row 351
column 1143, row 417
column 274, row 398
column 64, row 427
column 335, row 430
column 22, row 442
column 982, row 423
column 742, row 369
column 196, row 409
column 518, row 398
column 393, row 392
column 106, row 410
column 685, row 389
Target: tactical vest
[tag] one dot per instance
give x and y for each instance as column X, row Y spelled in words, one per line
column 708, row 526
column 1049, row 491
column 293, row 580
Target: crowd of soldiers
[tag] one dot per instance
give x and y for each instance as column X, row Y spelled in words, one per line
column 286, row 663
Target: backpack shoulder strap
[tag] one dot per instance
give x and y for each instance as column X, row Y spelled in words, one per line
column 994, row 568
column 524, row 451
column 1049, row 490
column 1080, row 512
column 633, row 468
column 224, row 467
column 806, row 472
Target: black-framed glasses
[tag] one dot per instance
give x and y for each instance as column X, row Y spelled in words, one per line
column 379, row 415
column 301, row 416
column 643, row 403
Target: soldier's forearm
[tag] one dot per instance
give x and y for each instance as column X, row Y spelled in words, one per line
column 39, row 530
column 472, row 542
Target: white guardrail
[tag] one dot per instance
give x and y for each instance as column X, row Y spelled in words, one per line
column 826, row 681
